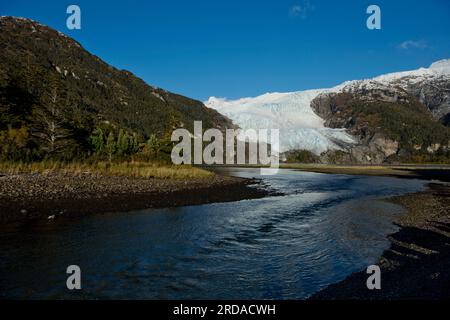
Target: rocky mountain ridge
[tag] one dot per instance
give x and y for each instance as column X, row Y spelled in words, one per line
column 397, row 117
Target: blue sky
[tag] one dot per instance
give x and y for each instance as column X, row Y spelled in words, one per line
column 230, row 48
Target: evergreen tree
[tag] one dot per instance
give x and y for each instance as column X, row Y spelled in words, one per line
column 110, row 146
column 97, row 140
column 4, row 106
column 29, row 74
column 172, row 124
column 12, row 143
column 133, row 145
column 122, row 142
column 153, row 144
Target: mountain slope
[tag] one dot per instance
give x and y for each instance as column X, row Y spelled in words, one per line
column 431, row 86
column 364, row 120
column 45, row 73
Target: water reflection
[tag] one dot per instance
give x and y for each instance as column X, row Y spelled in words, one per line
column 286, row 247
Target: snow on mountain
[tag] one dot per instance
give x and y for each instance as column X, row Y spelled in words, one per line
column 441, row 67
column 437, row 71
column 300, row 127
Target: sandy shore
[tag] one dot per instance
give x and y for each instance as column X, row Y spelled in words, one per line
column 417, row 264
column 30, row 196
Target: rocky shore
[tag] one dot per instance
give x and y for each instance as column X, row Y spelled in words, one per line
column 417, row 264
column 31, row 196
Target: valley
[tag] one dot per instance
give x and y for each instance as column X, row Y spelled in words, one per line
column 88, row 174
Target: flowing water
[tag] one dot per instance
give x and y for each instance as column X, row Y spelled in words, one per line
column 286, row 247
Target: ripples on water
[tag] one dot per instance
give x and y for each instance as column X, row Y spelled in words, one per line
column 286, row 247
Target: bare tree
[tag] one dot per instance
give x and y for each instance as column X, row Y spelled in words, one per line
column 49, row 121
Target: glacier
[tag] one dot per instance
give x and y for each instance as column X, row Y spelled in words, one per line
column 300, row 127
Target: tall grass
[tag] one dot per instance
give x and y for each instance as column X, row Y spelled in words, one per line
column 129, row 169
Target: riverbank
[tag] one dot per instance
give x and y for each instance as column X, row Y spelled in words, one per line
column 417, row 264
column 26, row 196
column 425, row 172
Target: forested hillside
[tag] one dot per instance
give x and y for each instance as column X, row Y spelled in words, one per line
column 389, row 127
column 59, row 101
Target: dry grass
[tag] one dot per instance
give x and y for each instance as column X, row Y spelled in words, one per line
column 376, row 170
column 129, row 169
column 357, row 170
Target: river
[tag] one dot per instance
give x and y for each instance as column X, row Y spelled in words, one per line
column 324, row 228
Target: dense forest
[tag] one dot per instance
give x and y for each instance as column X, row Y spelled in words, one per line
column 57, row 101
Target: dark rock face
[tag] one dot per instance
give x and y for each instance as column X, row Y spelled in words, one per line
column 446, row 120
column 436, row 96
column 336, row 110
column 370, row 153
column 390, row 124
column 333, row 108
